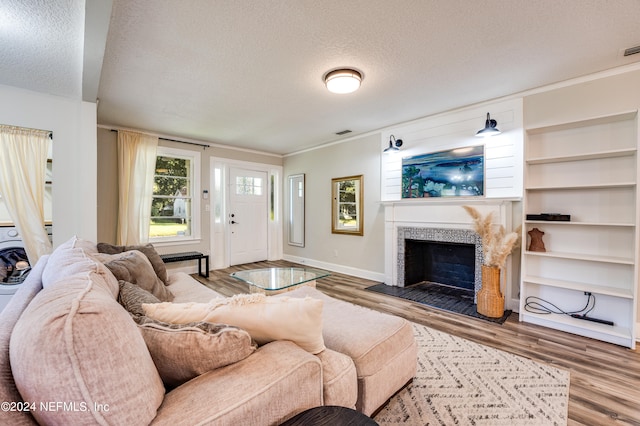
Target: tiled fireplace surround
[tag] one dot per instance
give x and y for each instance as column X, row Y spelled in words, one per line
column 438, row 221
column 464, row 236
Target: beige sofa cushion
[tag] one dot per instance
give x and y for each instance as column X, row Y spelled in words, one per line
column 278, row 381
column 185, row 289
column 265, row 318
column 76, row 256
column 339, row 379
column 382, row 346
column 369, row 337
column 75, row 344
column 8, row 318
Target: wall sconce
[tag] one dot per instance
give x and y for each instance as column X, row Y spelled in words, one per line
column 489, row 128
column 394, row 144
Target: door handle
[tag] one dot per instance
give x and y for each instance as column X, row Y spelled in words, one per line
column 233, row 222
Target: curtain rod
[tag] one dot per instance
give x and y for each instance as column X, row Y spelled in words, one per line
column 175, row 140
column 31, row 128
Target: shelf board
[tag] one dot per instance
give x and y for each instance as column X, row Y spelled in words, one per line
column 578, row 286
column 581, row 157
column 581, row 256
column 591, row 121
column 569, row 223
column 614, row 334
column 582, row 186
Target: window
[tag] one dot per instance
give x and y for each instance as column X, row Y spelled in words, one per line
column 175, row 201
column 247, row 185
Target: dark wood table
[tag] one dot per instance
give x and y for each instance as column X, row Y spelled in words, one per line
column 330, row 415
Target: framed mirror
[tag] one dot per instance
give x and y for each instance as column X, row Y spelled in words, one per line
column 346, row 205
column 296, row 210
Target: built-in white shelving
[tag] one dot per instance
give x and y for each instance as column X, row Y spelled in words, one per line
column 587, row 169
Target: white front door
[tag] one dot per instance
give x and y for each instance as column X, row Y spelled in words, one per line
column 248, row 215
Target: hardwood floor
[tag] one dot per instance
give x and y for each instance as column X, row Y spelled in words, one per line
column 605, row 378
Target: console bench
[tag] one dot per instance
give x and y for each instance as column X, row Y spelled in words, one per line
column 189, row 255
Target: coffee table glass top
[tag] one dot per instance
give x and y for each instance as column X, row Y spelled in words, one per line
column 271, row 279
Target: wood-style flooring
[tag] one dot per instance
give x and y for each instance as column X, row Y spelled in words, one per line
column 605, row 378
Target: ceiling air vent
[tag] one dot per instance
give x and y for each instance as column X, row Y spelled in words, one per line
column 632, row 51
column 344, row 132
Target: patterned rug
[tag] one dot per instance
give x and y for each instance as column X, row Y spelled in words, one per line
column 460, row 382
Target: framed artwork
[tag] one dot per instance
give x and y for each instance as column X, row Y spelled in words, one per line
column 453, row 173
column 346, row 205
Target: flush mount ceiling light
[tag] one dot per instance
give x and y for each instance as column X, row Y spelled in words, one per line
column 394, row 144
column 343, row 80
column 489, row 128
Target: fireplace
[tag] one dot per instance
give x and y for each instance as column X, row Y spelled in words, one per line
column 447, row 263
column 444, row 256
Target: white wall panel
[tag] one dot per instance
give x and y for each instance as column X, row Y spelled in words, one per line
column 503, row 153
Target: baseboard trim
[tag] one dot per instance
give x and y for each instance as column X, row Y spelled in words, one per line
column 347, row 270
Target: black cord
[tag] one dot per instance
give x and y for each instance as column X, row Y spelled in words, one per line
column 537, row 305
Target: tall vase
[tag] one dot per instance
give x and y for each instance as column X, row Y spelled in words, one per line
column 490, row 299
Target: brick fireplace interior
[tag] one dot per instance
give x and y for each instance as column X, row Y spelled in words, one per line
column 446, row 263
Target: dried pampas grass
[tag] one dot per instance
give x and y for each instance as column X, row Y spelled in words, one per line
column 496, row 244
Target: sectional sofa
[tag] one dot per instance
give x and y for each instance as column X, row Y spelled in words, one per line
column 79, row 345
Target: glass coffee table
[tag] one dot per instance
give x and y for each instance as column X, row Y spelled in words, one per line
column 271, row 281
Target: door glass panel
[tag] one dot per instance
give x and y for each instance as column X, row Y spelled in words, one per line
column 247, row 185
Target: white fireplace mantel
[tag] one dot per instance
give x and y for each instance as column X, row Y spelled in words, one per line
column 444, row 214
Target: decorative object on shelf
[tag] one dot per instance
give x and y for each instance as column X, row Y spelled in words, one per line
column 496, row 246
column 551, row 217
column 456, row 172
column 536, row 240
column 343, row 81
column 394, row 144
column 490, row 128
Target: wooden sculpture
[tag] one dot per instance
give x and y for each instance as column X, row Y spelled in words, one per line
column 536, row 240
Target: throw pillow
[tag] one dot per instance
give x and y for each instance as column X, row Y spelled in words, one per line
column 148, row 250
column 184, row 351
column 134, row 267
column 131, row 297
column 265, row 318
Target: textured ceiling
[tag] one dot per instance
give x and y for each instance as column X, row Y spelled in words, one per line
column 249, row 73
column 41, row 45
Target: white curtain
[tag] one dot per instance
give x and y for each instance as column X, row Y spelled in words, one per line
column 23, row 162
column 136, row 167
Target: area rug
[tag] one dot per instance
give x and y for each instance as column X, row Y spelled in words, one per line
column 448, row 298
column 460, row 382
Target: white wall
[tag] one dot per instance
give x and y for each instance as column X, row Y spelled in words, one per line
column 456, row 129
column 73, row 124
column 502, row 184
column 356, row 255
column 365, row 256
